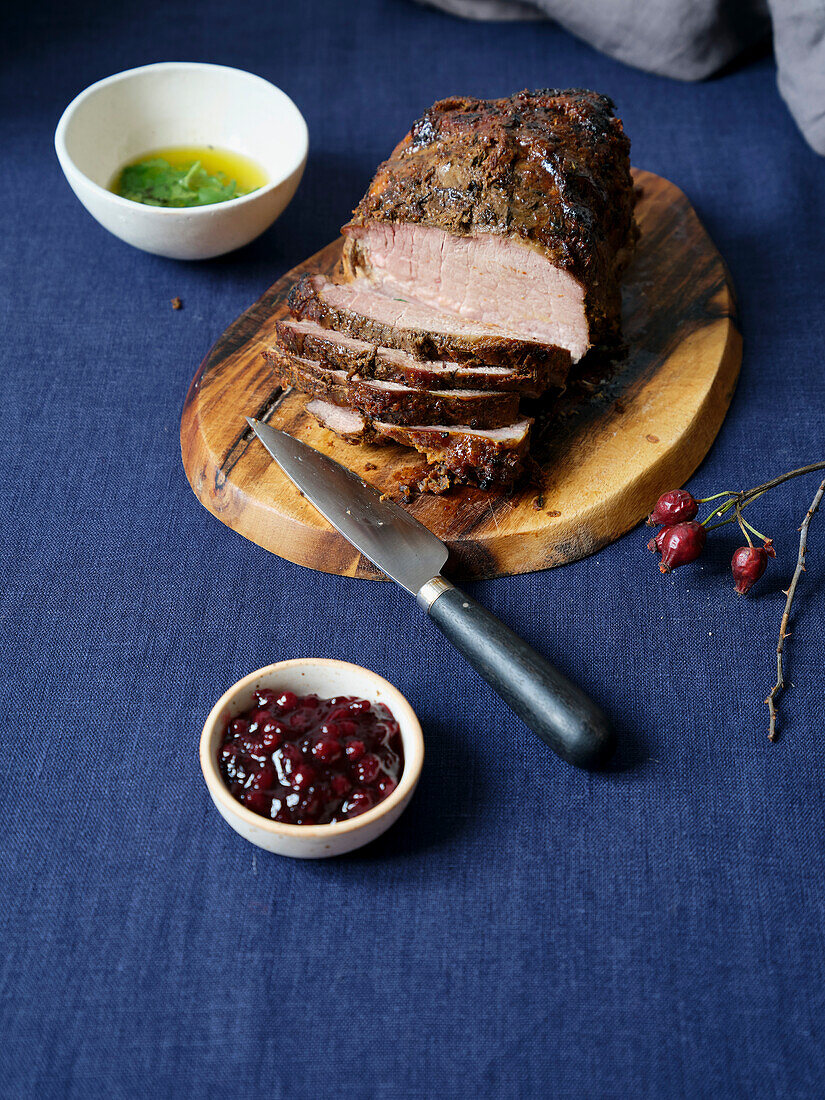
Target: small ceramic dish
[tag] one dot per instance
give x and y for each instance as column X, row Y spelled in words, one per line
column 178, row 104
column 325, row 678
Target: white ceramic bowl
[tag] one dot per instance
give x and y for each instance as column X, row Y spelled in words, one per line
column 325, row 678
column 182, row 103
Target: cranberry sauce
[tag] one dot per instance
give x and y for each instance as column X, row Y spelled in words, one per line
column 311, row 761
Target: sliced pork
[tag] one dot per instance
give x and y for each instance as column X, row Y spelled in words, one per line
column 483, row 262
column 360, row 310
column 466, row 455
column 310, row 340
column 392, row 401
column 350, row 425
column 513, row 212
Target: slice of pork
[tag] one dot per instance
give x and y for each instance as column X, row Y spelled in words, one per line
column 360, row 310
column 489, row 279
column 472, row 456
column 310, row 340
column 392, row 401
column 347, row 423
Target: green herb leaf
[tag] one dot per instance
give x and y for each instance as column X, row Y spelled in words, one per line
column 155, row 182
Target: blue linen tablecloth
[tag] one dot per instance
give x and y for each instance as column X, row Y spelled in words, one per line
column 526, row 930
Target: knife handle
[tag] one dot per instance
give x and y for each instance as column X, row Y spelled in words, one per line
column 546, row 701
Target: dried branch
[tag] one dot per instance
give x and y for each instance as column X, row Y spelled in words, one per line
column 783, row 627
column 758, row 490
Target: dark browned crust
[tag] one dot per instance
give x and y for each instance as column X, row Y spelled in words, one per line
column 469, row 460
column 451, row 459
column 371, row 362
column 551, row 167
column 486, row 410
column 538, row 362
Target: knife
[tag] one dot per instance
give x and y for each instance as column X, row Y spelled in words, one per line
column 547, row 702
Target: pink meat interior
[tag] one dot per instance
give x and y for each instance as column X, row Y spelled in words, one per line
column 487, row 278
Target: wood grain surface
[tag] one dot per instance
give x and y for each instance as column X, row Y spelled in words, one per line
column 627, row 429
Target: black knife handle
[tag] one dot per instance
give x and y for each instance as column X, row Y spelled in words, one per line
column 554, row 709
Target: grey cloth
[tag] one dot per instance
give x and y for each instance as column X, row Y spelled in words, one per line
column 691, row 39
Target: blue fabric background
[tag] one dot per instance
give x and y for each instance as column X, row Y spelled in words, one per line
column 526, row 930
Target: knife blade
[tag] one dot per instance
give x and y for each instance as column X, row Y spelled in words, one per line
column 549, row 704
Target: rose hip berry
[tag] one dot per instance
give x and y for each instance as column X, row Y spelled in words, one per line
column 748, row 564
column 311, row 761
column 655, row 543
column 682, row 543
column 677, row 506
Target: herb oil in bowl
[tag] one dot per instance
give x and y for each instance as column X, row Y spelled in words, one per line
column 185, row 176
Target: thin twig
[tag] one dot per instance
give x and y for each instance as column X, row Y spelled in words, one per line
column 741, row 522
column 758, row 490
column 745, row 497
column 753, row 530
column 783, row 626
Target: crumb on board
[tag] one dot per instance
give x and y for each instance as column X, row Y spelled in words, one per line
column 370, row 466
column 652, row 438
column 177, row 303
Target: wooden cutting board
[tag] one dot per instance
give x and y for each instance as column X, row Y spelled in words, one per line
column 626, row 431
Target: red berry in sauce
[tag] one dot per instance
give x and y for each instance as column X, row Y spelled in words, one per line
column 358, row 803
column 327, row 749
column 305, row 760
column 310, row 806
column 286, row 759
column 677, row 506
column 681, row 544
column 747, row 565
column 340, row 785
column 265, row 698
column 255, row 800
column 302, row 719
column 303, row 776
column 257, row 718
column 386, row 785
column 238, row 727
column 263, row 779
column 367, row 769
column 272, row 734
column 250, row 744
